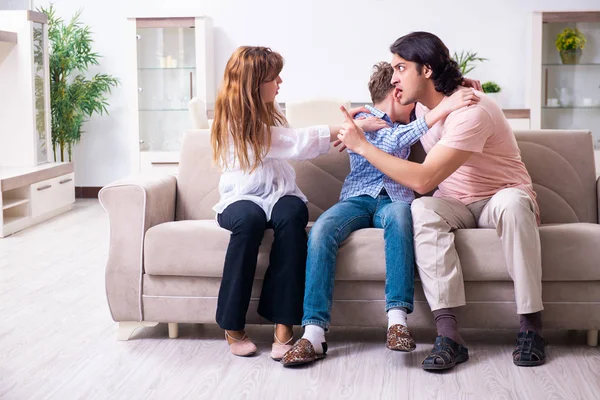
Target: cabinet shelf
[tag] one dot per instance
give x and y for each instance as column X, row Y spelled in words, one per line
column 13, row 203
column 174, row 63
column 166, row 69
column 572, row 65
column 572, row 108
column 8, row 37
column 11, row 220
column 162, row 109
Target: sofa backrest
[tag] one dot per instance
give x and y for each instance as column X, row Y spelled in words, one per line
column 561, row 164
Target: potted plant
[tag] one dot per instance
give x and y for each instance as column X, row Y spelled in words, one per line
column 466, row 61
column 491, row 89
column 570, row 43
column 73, row 96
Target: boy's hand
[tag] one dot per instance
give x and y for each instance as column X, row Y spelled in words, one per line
column 462, row 98
column 371, row 124
column 472, row 83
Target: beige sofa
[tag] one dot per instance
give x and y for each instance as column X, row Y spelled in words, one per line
column 166, row 250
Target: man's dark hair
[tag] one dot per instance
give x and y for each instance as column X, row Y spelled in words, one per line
column 380, row 83
column 426, row 49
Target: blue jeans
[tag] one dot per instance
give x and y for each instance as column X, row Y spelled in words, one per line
column 333, row 227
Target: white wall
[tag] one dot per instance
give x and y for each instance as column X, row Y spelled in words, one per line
column 329, row 47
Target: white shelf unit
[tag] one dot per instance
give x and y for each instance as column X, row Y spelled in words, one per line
column 8, row 41
column 25, row 136
column 32, row 195
column 565, row 96
column 32, row 188
column 172, row 62
column 14, row 198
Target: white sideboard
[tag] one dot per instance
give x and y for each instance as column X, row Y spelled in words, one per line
column 29, row 195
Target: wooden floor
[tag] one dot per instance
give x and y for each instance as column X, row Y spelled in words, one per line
column 57, row 341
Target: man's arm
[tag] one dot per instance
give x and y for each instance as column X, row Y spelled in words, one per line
column 439, row 164
column 413, row 131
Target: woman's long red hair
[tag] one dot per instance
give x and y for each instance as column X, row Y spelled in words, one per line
column 241, row 115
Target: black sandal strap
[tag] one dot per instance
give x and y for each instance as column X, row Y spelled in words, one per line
column 530, row 347
column 445, row 349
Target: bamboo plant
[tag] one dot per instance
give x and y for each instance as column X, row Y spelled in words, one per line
column 74, row 97
column 466, row 61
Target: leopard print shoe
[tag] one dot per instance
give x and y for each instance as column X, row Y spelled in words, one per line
column 301, row 353
column 400, row 339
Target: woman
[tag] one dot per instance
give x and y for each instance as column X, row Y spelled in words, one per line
column 251, row 144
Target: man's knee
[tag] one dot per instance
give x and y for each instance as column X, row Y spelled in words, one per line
column 515, row 203
column 424, row 205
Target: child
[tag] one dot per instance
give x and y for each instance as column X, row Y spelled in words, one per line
column 370, row 199
column 258, row 190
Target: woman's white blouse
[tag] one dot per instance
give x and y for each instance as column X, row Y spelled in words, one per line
column 275, row 178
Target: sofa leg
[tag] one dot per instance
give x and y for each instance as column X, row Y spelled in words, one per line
column 592, row 337
column 173, row 330
column 127, row 328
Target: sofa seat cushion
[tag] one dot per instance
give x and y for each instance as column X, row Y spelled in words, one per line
column 570, row 252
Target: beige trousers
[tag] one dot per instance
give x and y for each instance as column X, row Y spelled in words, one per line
column 510, row 212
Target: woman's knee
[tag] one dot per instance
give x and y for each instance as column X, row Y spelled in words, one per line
column 251, row 220
column 290, row 211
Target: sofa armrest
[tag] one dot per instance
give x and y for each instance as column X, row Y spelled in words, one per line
column 133, row 206
column 598, row 191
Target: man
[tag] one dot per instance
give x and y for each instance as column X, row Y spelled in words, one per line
column 474, row 161
column 370, row 199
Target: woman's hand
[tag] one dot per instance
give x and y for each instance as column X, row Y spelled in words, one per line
column 352, row 136
column 371, row 124
column 356, row 110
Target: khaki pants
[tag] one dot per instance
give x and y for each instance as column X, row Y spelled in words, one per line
column 510, row 212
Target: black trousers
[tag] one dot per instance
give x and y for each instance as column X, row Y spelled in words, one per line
column 283, row 287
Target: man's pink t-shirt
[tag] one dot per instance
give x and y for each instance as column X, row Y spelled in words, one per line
column 496, row 160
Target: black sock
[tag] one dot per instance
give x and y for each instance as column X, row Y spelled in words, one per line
column 446, row 324
column 531, row 322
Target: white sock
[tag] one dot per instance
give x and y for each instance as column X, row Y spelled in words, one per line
column 397, row 315
column 316, row 335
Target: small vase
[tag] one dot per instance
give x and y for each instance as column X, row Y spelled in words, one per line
column 570, row 56
column 494, row 96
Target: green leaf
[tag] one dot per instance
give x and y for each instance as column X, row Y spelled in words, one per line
column 466, row 61
column 74, row 98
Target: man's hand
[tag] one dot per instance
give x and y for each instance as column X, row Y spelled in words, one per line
column 472, row 83
column 352, row 136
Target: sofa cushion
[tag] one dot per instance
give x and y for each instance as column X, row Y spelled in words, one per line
column 197, row 248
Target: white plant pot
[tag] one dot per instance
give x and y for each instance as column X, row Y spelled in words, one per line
column 496, row 97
